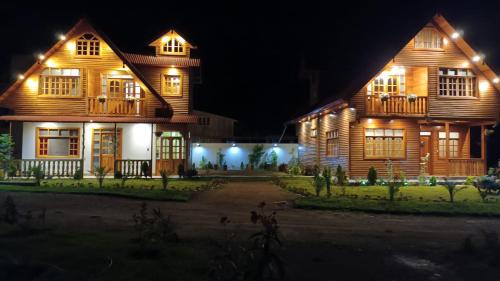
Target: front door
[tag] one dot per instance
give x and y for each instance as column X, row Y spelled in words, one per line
column 170, row 152
column 425, row 151
column 103, row 148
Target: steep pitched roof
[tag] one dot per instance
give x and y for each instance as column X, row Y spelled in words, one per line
column 72, row 32
column 380, row 58
column 170, row 33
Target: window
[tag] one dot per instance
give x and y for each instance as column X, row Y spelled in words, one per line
column 313, row 132
column 62, row 82
column 173, row 46
column 120, row 86
column 170, row 145
column 172, row 85
column 62, row 143
column 429, row 38
column 204, row 121
column 332, row 143
column 452, row 144
column 384, row 143
column 457, row 82
column 88, row 45
column 392, row 84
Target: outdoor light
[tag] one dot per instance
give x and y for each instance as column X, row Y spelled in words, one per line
column 41, row 57
column 332, row 115
column 455, row 35
column 465, row 64
column 476, row 58
column 495, row 80
column 233, row 144
column 62, row 37
column 21, row 77
column 445, row 41
column 198, row 144
column 352, row 108
column 275, row 145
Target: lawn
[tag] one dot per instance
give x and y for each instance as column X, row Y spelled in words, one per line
column 178, row 189
column 410, row 199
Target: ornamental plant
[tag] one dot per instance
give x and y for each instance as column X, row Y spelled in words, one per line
column 372, row 176
column 327, row 174
column 452, row 189
column 318, row 183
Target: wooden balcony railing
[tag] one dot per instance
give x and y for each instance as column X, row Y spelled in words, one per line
column 133, row 168
column 396, row 105
column 116, row 106
column 466, row 167
column 50, row 167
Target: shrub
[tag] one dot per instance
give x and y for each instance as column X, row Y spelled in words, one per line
column 327, row 174
column 274, row 159
column 203, row 163
column 220, row 158
column 180, row 171
column 6, row 148
column 452, row 189
column 318, row 183
column 372, row 176
column 316, row 170
column 242, row 166
column 433, row 181
column 256, row 155
column 118, row 175
column 145, row 169
column 38, row 174
column 123, row 181
column 164, row 179
column 340, row 175
column 100, row 173
column 224, row 167
column 469, row 180
column 283, row 168
column 210, row 166
column 78, row 175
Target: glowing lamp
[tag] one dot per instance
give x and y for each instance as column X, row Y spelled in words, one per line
column 233, row 144
column 445, row 41
column 41, row 57
column 62, row 37
column 455, row 35
column 476, row 58
column 332, row 115
column 20, row 76
column 352, row 109
column 370, row 121
column 275, row 145
column 198, row 144
column 496, row 80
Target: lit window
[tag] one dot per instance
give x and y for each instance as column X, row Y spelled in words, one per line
column 170, row 145
column 88, row 45
column 173, row 46
column 64, row 82
column 172, row 85
column 62, row 143
column 453, row 141
column 314, row 132
column 332, row 143
column 457, row 82
column 387, row 84
column 384, row 143
column 429, row 38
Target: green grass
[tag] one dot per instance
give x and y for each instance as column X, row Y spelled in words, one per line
column 68, row 255
column 410, row 199
column 178, row 190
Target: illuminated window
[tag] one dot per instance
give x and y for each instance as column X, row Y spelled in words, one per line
column 88, row 45
column 384, row 143
column 170, row 145
column 457, row 82
column 453, row 141
column 61, row 143
column 173, row 46
column 332, row 143
column 172, row 85
column 314, row 132
column 64, row 82
column 391, row 84
column 429, row 38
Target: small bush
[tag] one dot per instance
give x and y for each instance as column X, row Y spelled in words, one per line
column 242, row 166
column 10, row 214
column 372, row 176
column 433, row 181
column 327, row 174
column 145, row 169
column 78, row 175
column 452, row 189
column 340, row 175
column 118, row 175
column 164, row 179
column 318, row 183
column 308, row 170
column 283, row 168
column 469, row 180
column 100, row 173
column 180, row 171
column 38, row 174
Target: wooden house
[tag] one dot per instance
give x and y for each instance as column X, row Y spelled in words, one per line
column 85, row 104
column 420, row 110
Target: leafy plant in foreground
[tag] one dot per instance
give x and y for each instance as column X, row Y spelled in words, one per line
column 327, row 174
column 340, row 175
column 100, row 173
column 38, row 174
column 452, row 189
column 372, row 176
column 164, row 179
column 318, row 183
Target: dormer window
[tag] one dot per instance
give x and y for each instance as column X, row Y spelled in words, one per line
column 428, row 38
column 173, row 46
column 88, row 45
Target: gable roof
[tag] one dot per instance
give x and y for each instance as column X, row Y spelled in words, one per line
column 380, row 58
column 170, row 33
column 72, row 32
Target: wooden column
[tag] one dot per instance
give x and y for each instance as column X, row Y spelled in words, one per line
column 83, row 147
column 151, row 148
column 115, row 147
column 483, row 149
column 318, row 140
column 447, row 143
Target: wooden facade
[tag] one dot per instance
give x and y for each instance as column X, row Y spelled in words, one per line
column 418, row 102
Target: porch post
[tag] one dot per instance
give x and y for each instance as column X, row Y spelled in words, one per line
column 115, row 147
column 483, row 148
column 82, row 162
column 447, row 143
column 151, row 150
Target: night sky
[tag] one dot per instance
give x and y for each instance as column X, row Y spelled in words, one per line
column 251, row 50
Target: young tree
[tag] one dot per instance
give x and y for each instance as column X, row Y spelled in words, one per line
column 220, row 158
column 372, row 176
column 318, row 182
column 256, row 155
column 6, row 148
column 327, row 174
column 452, row 189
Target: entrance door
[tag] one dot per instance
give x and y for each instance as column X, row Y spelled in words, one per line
column 103, row 148
column 425, row 150
column 170, row 152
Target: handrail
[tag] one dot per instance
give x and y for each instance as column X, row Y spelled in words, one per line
column 116, row 106
column 396, row 104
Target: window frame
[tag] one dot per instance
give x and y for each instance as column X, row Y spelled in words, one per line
column 41, row 83
column 433, row 30
column 385, row 157
column 448, row 148
column 87, row 42
column 333, row 136
column 164, row 86
column 38, row 143
column 165, row 46
column 475, row 86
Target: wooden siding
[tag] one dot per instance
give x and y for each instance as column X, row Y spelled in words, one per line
column 484, row 106
column 26, row 101
column 410, row 165
column 153, row 74
column 308, row 155
column 219, row 127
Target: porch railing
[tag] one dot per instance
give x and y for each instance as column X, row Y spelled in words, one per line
column 396, row 105
column 133, row 168
column 50, row 167
column 466, row 167
column 116, row 106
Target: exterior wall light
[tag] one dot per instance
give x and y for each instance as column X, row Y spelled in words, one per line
column 62, row 37
column 198, row 145
column 496, row 80
column 476, row 58
column 20, row 76
column 455, row 35
column 41, row 57
column 233, row 144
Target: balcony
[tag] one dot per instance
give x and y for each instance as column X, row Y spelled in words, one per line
column 116, row 106
column 396, row 105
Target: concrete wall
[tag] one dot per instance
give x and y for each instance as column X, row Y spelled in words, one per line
column 234, row 155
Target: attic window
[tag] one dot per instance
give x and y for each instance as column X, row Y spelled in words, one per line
column 173, row 46
column 88, row 45
column 428, row 38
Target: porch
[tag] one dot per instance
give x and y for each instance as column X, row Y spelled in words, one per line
column 453, row 148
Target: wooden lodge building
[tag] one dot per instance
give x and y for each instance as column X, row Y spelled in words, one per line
column 84, row 103
column 419, row 109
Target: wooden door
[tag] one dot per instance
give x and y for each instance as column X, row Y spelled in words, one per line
column 426, row 149
column 171, row 151
column 103, row 148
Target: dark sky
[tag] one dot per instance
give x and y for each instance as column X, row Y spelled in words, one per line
column 251, row 50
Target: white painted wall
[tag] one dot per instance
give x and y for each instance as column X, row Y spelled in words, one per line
column 239, row 153
column 136, row 139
